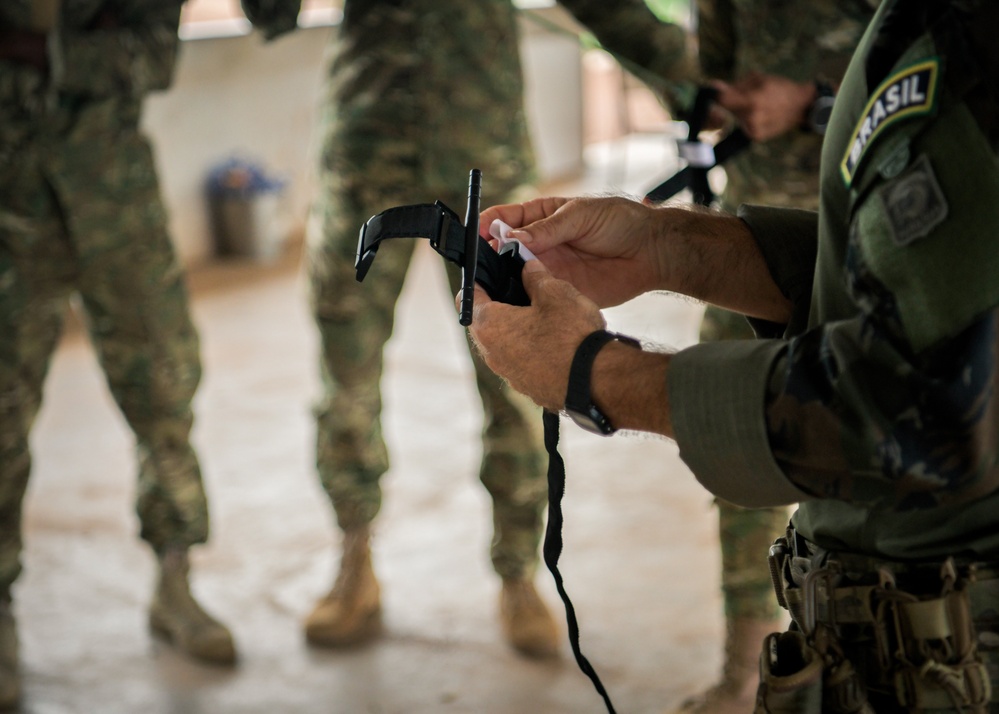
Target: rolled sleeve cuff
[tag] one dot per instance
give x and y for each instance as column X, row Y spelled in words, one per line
column 717, row 395
column 788, row 240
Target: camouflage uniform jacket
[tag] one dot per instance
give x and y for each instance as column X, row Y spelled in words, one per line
column 880, row 413
column 803, row 41
column 657, row 52
column 453, row 80
column 105, row 56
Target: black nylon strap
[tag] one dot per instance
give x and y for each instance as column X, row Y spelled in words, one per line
column 422, row 220
column 696, row 177
column 553, row 547
column 500, row 275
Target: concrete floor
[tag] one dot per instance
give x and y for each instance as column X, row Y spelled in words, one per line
column 640, row 558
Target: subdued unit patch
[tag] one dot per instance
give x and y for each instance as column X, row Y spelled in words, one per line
column 914, row 202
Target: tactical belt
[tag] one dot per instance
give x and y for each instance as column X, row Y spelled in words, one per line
column 908, row 627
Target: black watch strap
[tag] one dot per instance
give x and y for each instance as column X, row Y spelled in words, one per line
column 578, row 399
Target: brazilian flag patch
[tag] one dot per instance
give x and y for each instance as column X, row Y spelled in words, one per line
column 909, row 92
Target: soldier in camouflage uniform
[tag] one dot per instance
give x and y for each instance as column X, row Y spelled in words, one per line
column 871, row 400
column 417, row 94
column 80, row 213
column 790, row 49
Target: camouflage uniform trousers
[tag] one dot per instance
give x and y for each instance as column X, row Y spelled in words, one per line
column 745, row 533
column 780, row 172
column 86, row 224
column 355, row 322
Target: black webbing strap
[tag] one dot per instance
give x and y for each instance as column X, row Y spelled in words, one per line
column 695, row 174
column 499, row 274
column 434, row 221
column 553, row 547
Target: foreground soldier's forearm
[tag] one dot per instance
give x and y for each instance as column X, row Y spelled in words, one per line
column 713, row 258
column 629, row 386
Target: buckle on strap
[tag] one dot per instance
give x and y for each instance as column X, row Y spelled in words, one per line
column 433, row 221
column 776, row 559
column 497, row 272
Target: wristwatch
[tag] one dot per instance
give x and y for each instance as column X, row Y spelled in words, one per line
column 821, row 109
column 578, row 402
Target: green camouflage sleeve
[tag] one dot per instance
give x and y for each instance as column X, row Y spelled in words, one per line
column 131, row 50
column 898, row 404
column 655, row 51
column 716, row 38
column 849, row 414
column 889, row 398
column 901, row 401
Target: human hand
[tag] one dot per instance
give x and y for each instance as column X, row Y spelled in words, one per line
column 606, row 247
column 766, row 105
column 532, row 347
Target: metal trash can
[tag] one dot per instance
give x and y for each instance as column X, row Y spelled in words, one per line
column 246, row 207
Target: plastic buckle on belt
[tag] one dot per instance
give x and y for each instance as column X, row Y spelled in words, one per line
column 776, row 558
column 828, row 576
column 443, row 224
column 365, row 253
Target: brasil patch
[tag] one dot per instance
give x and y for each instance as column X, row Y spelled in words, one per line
column 908, row 92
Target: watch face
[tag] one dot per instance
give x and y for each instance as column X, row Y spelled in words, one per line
column 590, row 419
column 821, row 113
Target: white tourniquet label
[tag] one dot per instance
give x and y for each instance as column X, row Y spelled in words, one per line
column 500, row 231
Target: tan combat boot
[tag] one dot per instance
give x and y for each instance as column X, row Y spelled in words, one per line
column 177, row 616
column 350, row 612
column 10, row 677
column 527, row 623
column 735, row 693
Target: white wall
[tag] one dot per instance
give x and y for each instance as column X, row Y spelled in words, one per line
column 553, row 96
column 236, row 96
column 240, row 96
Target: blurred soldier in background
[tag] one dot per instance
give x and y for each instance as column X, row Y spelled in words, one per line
column 417, row 94
column 780, row 65
column 81, row 214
